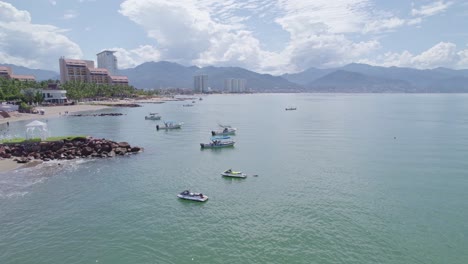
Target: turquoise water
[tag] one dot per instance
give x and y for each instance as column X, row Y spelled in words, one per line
column 344, row 179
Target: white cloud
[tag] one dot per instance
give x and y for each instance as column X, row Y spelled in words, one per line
column 443, row 54
column 211, row 32
column 384, row 24
column 431, row 9
column 32, row 45
column 134, row 57
column 322, row 33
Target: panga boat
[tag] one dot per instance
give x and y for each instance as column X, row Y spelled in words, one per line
column 226, row 131
column 153, row 116
column 290, row 108
column 187, row 195
column 217, row 144
column 170, row 125
column 187, row 105
column 234, row 174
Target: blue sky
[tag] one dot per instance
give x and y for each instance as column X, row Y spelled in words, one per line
column 270, row 36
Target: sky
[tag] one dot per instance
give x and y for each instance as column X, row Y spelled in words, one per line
column 267, row 36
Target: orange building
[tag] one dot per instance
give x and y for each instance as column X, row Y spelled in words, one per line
column 84, row 71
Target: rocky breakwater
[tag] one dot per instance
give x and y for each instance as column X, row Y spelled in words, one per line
column 66, row 149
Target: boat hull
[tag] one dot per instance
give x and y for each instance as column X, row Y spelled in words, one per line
column 193, row 198
column 152, row 118
column 235, row 175
column 220, row 145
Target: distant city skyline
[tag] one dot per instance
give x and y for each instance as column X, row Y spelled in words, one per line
column 267, row 36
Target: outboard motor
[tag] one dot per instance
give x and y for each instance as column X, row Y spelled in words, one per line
column 157, row 127
column 213, row 133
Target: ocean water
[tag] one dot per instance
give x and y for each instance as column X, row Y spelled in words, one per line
column 344, row 179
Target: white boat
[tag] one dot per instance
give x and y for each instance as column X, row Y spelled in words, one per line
column 233, row 174
column 153, row 116
column 170, row 125
column 217, row 144
column 226, row 131
column 187, row 195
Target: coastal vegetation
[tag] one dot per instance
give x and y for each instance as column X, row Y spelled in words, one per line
column 28, row 91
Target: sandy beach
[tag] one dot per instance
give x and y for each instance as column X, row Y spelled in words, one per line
column 56, row 111
column 51, row 111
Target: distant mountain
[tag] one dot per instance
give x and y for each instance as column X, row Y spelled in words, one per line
column 381, row 79
column 165, row 74
column 153, row 75
column 351, row 82
column 307, row 76
column 41, row 75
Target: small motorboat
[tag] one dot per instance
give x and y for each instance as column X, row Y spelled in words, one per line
column 217, row 144
column 170, row 125
column 153, row 116
column 187, row 105
column 187, row 195
column 234, row 174
column 226, row 131
column 290, row 108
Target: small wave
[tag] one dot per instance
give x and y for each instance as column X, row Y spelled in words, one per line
column 12, row 195
column 19, row 182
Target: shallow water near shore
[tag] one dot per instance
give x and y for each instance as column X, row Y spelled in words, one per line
column 343, row 179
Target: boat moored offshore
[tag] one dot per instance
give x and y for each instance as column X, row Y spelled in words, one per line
column 170, row 125
column 153, row 116
column 187, row 195
column 226, row 131
column 233, row 174
column 217, row 144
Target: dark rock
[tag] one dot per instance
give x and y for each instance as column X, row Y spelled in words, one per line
column 124, row 145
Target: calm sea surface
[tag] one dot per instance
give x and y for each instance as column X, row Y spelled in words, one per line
column 344, row 179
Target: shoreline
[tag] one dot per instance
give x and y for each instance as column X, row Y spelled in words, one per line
column 57, row 111
column 51, row 111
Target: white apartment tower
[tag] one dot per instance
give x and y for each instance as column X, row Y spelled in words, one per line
column 232, row 85
column 200, row 83
column 107, row 60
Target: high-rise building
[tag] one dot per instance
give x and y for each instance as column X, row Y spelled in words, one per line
column 107, row 60
column 233, row 85
column 84, row 71
column 200, row 83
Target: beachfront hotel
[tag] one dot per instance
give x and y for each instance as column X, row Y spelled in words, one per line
column 84, row 71
column 107, row 60
column 7, row 73
column 200, row 83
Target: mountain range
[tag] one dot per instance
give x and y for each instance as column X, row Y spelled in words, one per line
column 351, row 78
column 40, row 75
